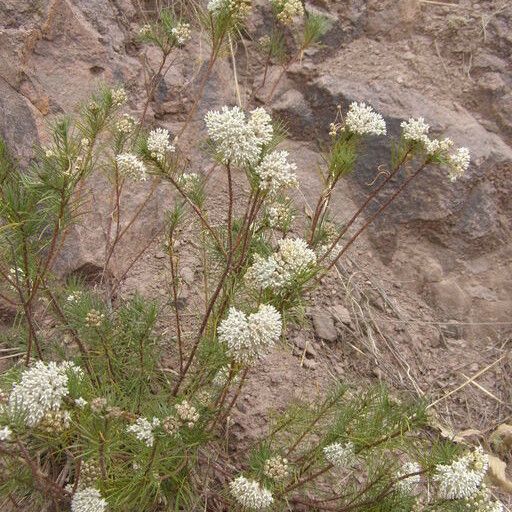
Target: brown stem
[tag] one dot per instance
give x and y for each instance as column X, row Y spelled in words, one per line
column 377, row 213
column 243, row 378
column 230, row 209
column 370, row 198
column 174, row 277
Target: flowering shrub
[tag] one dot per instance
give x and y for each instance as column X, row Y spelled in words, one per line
column 99, row 424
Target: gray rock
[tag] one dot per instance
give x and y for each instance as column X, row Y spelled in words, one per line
column 450, row 298
column 324, row 326
column 341, row 314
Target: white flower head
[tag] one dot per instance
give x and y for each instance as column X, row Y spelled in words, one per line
column 437, row 146
column 287, row 10
column 265, row 328
column 415, row 129
column 80, row 402
column 40, row 390
column 5, row 434
column 237, row 140
column 143, row 430
column 408, row 484
column 131, row 167
column 458, row 163
column 463, row 477
column 275, row 172
column 250, row 337
column 126, row 124
column 158, row 144
column 361, row 119
column 250, row 494
column 260, row 123
column 88, row 500
column 119, row 96
column 340, row 455
column 281, row 268
column 239, row 9
column 189, row 181
column 182, row 33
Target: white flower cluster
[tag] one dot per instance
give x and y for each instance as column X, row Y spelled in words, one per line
column 94, row 318
column 463, row 477
column 340, row 455
column 276, row 468
column 158, row 144
column 143, row 430
column 278, row 270
column 458, row 163
column 250, row 494
column 182, row 33
column 119, row 97
column 239, row 9
column 145, row 30
column 275, row 172
column 126, row 124
column 278, row 215
column 417, row 130
column 88, row 500
column 249, row 337
column 482, row 501
column 131, row 167
column 221, row 377
column 237, row 140
column 40, row 390
column 75, row 296
column 408, row 484
column 187, row 413
column 361, row 119
column 287, row 10
column 55, row 421
column 5, row 434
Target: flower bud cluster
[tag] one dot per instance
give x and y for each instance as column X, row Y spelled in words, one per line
column 277, row 468
column 94, row 318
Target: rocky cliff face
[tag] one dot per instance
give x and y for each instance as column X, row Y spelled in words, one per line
column 443, row 252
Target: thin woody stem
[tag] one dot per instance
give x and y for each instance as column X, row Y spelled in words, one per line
column 376, row 214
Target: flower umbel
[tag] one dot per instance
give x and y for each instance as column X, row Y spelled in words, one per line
column 143, row 430
column 88, row 500
column 361, row 119
column 131, row 167
column 340, row 455
column 250, row 494
column 40, row 390
column 463, row 477
column 159, row 145
column 250, row 337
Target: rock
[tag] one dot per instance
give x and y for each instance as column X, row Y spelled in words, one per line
column 341, row 314
column 160, row 255
column 304, row 344
column 501, row 439
column 324, row 326
column 310, row 364
column 492, row 82
column 430, row 270
column 187, row 274
column 292, row 108
column 450, row 298
column 451, row 330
